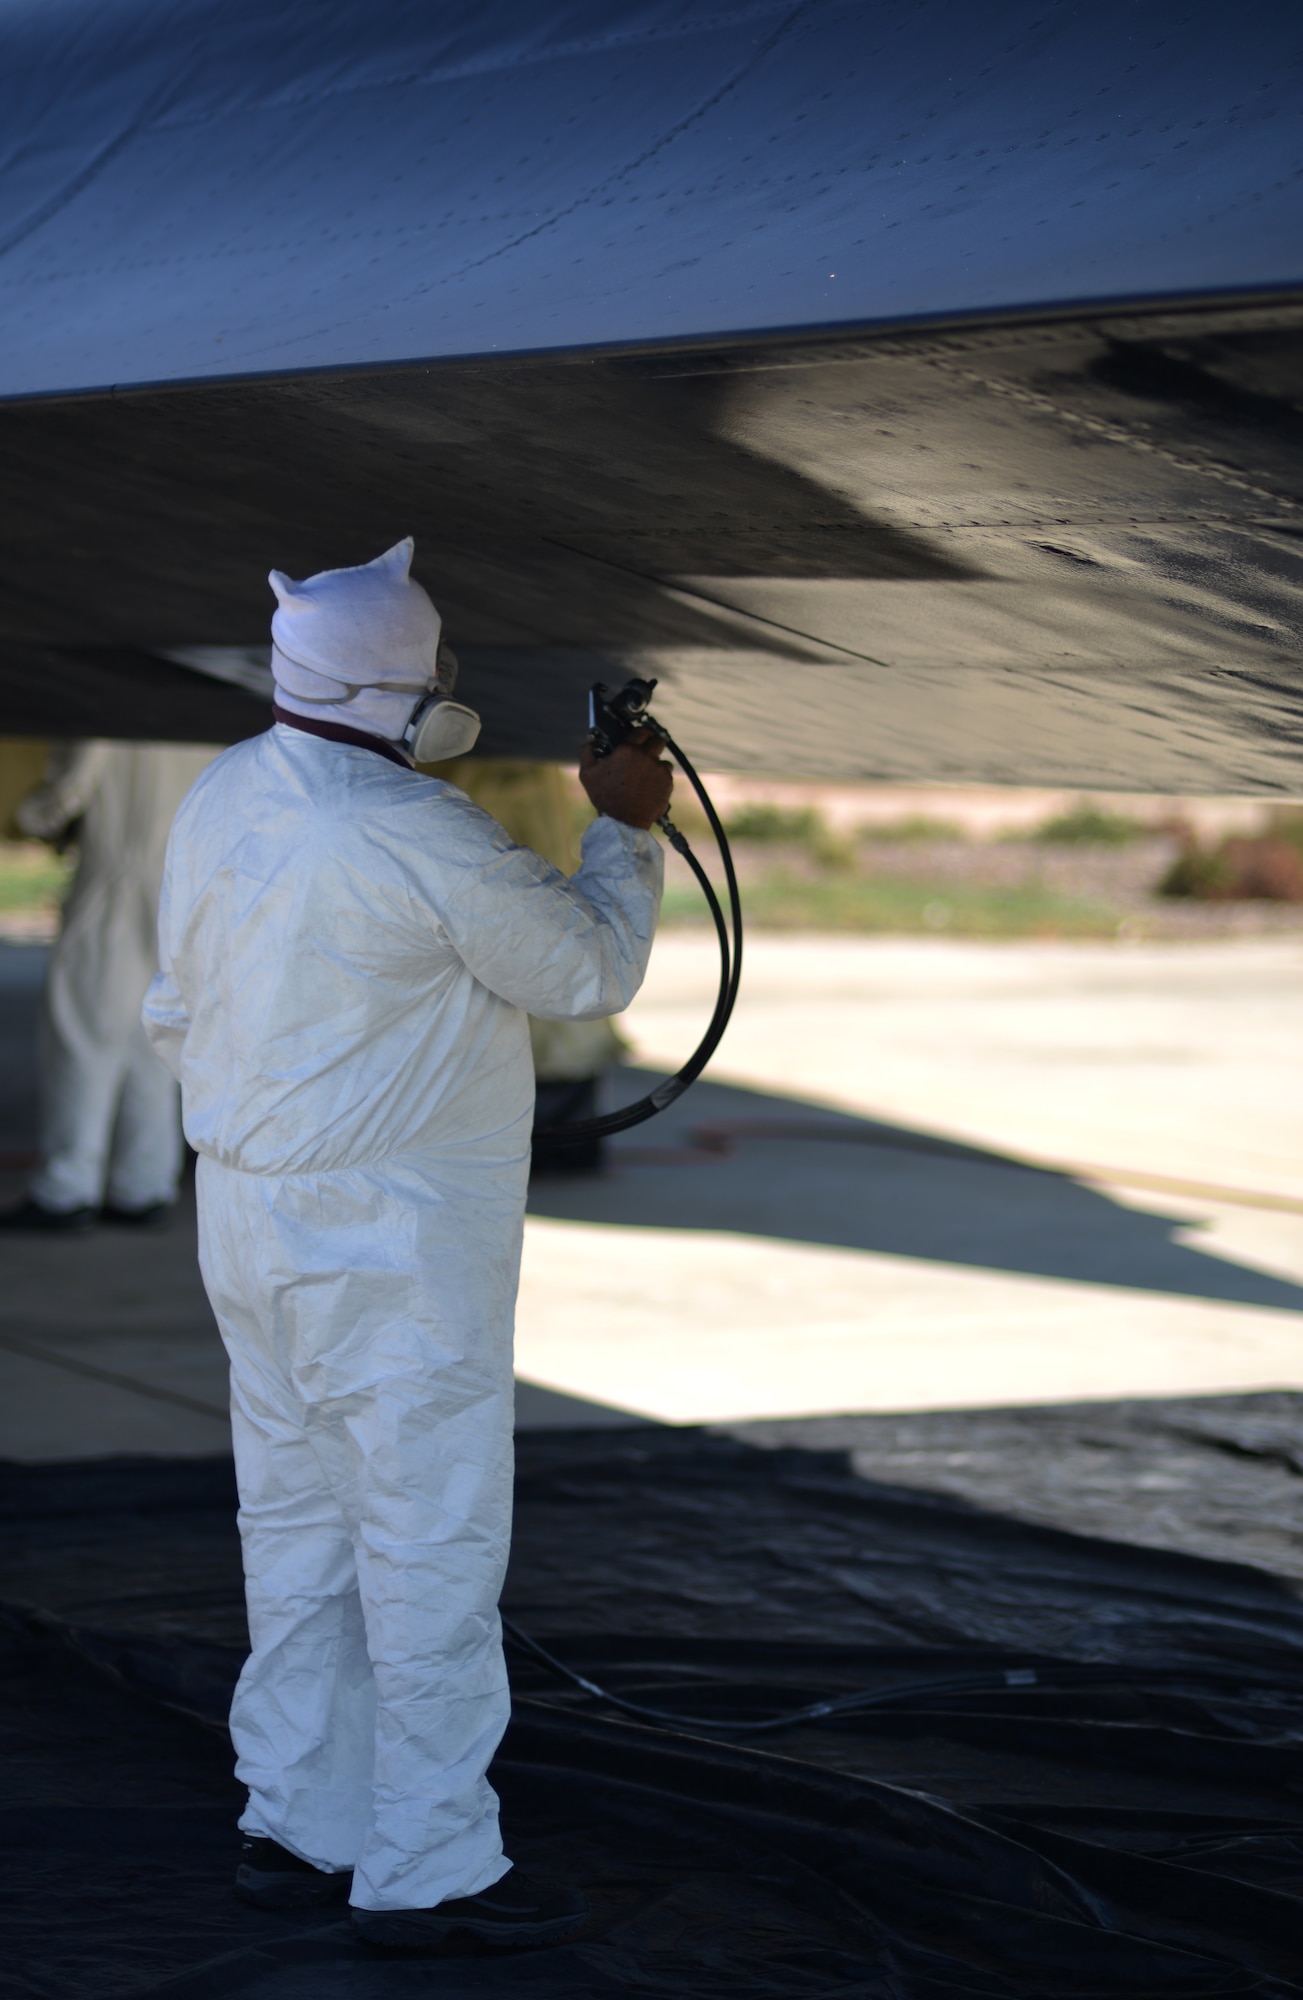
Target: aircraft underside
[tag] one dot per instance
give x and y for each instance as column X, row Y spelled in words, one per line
column 889, row 450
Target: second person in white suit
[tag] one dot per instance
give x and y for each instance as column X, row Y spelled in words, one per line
column 110, row 1130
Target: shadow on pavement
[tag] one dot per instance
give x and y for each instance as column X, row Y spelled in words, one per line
column 889, row 1189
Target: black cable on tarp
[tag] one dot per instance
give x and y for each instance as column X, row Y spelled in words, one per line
column 1017, row 1842
column 999, row 1678
column 812, row 1711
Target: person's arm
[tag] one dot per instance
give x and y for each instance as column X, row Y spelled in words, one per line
column 565, row 948
column 572, row 948
column 72, row 777
column 166, row 1021
column 164, row 1014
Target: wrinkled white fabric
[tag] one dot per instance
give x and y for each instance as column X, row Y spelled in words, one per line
column 347, row 949
column 109, row 1119
column 357, row 645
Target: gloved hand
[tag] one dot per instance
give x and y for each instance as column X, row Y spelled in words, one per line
column 632, row 784
column 43, row 814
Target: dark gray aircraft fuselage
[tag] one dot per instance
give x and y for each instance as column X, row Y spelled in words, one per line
column 916, row 390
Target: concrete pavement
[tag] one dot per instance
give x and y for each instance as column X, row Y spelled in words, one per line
column 800, row 1276
column 866, row 1239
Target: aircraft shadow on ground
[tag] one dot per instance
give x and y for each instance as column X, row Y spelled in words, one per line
column 887, row 1188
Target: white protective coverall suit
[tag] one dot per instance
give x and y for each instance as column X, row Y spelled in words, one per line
column 110, row 1125
column 348, row 952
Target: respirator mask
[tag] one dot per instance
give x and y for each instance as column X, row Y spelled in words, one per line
column 441, row 728
column 438, row 727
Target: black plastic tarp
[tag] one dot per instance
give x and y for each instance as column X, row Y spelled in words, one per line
column 1074, row 1771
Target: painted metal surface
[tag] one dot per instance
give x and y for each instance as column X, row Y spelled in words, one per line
column 1017, row 494
column 199, row 188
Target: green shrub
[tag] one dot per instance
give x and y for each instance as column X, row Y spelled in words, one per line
column 1286, row 823
column 915, row 826
column 780, row 901
column 798, row 824
column 1241, row 868
column 32, row 876
column 793, row 827
column 1200, row 872
column 1087, row 822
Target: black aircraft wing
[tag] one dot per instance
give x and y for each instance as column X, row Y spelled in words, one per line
column 916, row 389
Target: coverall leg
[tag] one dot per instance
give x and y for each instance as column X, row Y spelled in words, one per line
column 367, row 1314
column 110, row 1112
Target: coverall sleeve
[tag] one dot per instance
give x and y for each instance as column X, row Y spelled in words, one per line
column 164, row 1012
column 565, row 948
column 72, row 777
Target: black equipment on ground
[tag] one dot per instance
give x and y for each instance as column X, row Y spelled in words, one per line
column 612, row 719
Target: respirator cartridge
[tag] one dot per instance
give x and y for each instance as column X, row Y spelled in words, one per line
column 441, row 728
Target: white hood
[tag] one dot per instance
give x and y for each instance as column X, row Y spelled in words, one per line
column 358, row 646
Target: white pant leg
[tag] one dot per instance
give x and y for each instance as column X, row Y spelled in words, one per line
column 92, row 1042
column 303, row 1716
column 432, row 1464
column 145, row 1158
column 383, row 1308
column 81, row 1080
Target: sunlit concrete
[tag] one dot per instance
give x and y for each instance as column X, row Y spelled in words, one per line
column 1179, row 1059
column 712, row 1327
column 107, row 1346
column 107, row 1343
column 1174, row 1061
column 797, row 1275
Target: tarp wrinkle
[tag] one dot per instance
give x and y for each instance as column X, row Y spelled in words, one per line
column 1077, row 1773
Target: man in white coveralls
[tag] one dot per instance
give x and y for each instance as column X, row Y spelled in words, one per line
column 348, row 950
column 110, row 1133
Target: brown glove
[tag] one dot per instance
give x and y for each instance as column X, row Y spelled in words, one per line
column 632, row 784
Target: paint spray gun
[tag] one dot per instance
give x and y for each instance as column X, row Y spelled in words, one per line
column 612, row 720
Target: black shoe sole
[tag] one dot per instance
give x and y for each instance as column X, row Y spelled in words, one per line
column 413, row 1932
column 276, row 1889
column 33, row 1221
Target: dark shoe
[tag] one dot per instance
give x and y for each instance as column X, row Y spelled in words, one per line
column 515, row 1914
column 33, row 1220
column 156, row 1216
column 271, row 1878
